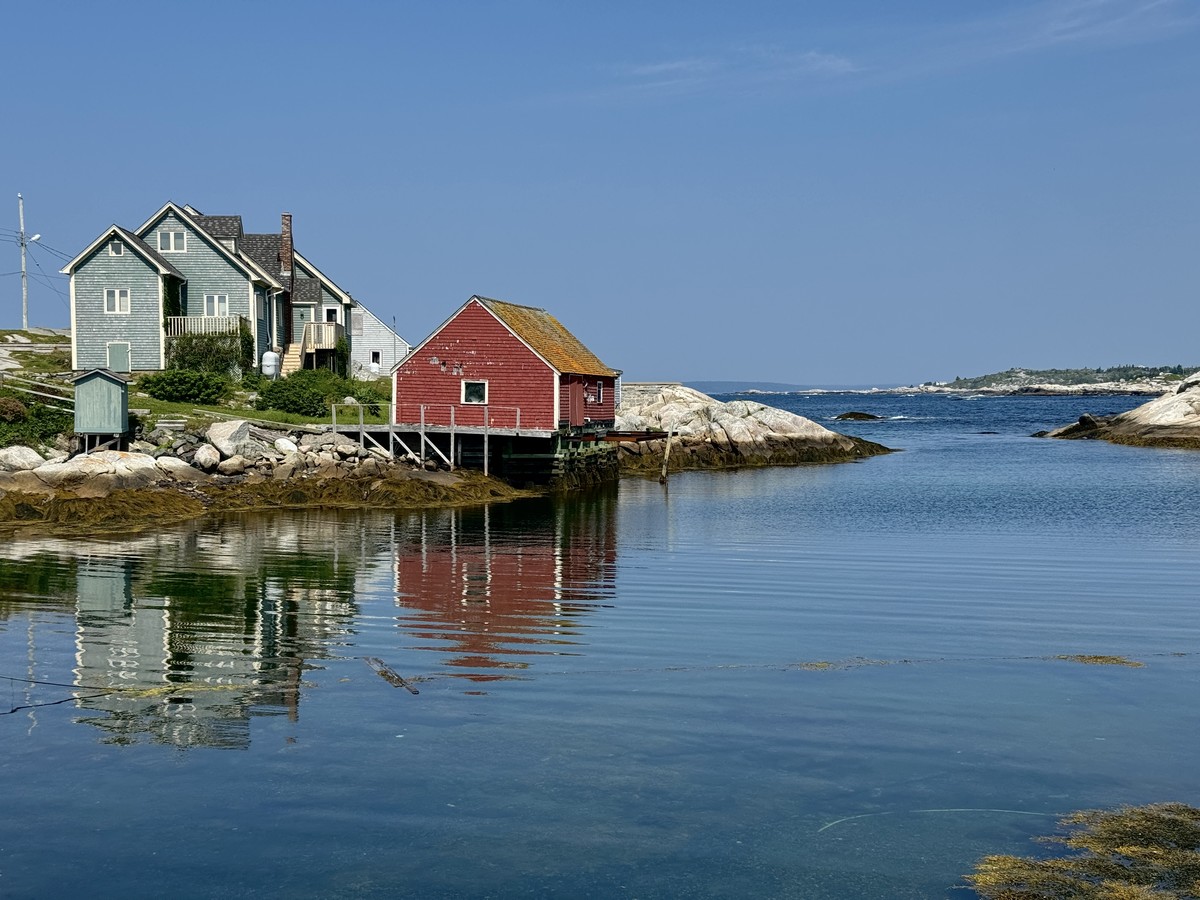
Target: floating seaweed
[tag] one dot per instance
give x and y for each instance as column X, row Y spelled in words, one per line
column 388, row 674
column 1090, row 659
column 1134, row 853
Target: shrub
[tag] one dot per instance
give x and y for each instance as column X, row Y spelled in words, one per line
column 221, row 353
column 40, row 425
column 12, row 410
column 309, row 392
column 185, row 386
column 291, row 395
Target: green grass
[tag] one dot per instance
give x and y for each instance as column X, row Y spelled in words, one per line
column 193, row 412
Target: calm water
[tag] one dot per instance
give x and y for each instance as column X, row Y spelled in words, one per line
column 831, row 682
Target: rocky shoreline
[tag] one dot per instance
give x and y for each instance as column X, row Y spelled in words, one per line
column 170, row 475
column 1169, row 421
column 232, row 466
column 709, row 434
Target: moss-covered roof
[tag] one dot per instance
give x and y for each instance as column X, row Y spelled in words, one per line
column 548, row 337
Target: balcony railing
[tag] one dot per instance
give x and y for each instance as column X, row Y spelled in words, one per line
column 321, row 336
column 177, row 325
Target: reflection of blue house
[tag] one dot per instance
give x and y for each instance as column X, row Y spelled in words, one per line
column 182, row 272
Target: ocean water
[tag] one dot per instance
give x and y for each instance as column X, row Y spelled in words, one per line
column 843, row 681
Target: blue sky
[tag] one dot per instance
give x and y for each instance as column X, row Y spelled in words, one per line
column 842, row 192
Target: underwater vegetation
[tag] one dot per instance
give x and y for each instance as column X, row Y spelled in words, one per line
column 1134, row 853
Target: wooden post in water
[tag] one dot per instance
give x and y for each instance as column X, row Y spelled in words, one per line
column 662, row 479
column 485, row 440
column 422, row 434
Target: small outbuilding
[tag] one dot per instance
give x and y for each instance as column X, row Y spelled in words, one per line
column 101, row 407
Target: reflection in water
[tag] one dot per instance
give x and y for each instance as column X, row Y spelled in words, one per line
column 496, row 586
column 182, row 638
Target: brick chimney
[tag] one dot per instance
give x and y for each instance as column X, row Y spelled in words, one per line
column 285, row 246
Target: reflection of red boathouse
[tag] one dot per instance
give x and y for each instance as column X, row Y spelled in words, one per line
column 495, row 587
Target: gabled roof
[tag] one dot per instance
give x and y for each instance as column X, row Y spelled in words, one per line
column 189, row 215
column 547, row 337
column 135, row 243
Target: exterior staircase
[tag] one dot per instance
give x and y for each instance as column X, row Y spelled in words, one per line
column 293, row 357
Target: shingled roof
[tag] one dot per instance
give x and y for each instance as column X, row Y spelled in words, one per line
column 221, row 227
column 548, row 338
column 263, row 249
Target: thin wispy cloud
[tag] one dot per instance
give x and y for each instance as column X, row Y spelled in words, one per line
column 740, row 67
column 867, row 54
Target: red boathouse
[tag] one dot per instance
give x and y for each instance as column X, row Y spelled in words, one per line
column 509, row 387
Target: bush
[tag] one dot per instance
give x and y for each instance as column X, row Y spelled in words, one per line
column 12, row 410
column 41, row 424
column 309, row 392
column 185, row 386
column 220, row 353
column 291, row 395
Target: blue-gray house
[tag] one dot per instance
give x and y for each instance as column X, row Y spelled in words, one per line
column 181, row 272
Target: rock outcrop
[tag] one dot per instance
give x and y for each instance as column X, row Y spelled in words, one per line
column 1172, row 420
column 712, row 434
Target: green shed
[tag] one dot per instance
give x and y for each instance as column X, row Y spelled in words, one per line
column 101, row 403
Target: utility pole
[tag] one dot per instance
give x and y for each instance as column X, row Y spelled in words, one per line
column 24, row 276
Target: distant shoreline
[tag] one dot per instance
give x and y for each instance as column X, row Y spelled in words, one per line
column 1036, row 390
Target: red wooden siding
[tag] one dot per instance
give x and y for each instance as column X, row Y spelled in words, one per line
column 599, row 397
column 474, row 346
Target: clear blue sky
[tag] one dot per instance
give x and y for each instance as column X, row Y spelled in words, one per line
column 824, row 192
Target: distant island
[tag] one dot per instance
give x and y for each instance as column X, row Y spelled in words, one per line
column 1016, row 379
column 1129, row 379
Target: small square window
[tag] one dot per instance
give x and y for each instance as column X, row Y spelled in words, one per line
column 171, row 242
column 216, row 304
column 331, row 315
column 116, row 248
column 474, row 392
column 375, row 360
column 116, row 300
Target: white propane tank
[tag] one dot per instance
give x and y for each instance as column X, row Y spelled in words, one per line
column 270, row 364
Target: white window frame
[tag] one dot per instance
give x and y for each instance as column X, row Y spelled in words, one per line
column 176, row 241
column 218, row 301
column 377, row 357
column 113, row 308
column 599, row 391
column 463, row 388
column 116, row 248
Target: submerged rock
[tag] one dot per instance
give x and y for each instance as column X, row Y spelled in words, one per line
column 855, row 416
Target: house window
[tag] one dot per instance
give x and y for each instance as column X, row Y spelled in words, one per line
column 331, row 315
column 216, row 304
column 375, row 357
column 171, row 242
column 599, row 391
column 116, row 248
column 116, row 300
column 474, row 392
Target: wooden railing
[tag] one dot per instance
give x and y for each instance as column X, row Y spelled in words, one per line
column 177, row 325
column 321, row 336
column 459, row 415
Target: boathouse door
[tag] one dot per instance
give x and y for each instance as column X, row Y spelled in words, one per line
column 576, row 403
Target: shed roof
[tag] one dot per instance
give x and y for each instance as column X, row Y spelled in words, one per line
column 547, row 337
column 102, row 372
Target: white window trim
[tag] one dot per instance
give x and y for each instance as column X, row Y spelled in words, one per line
column 216, row 314
column 172, row 249
column 377, row 357
column 463, row 392
column 116, row 248
column 116, row 292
